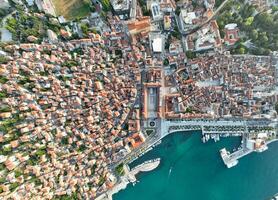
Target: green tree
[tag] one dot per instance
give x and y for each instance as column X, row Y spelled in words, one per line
column 166, row 62
column 263, row 38
column 2, row 180
column 3, row 60
column 13, row 186
column 249, row 21
column 40, row 152
column 25, row 25
column 190, row 54
column 82, row 148
column 74, row 196
column 106, row 5
column 3, row 79
column 143, row 5
column 64, row 141
column 85, row 29
column 241, row 50
column 218, row 3
column 177, row 11
column 120, row 169
column 18, row 173
column 254, row 35
column 274, row 8
column 3, row 12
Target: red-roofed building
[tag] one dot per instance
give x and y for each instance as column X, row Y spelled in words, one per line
column 231, row 34
column 136, row 140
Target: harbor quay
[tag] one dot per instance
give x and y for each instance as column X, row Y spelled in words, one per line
column 219, row 126
column 256, row 134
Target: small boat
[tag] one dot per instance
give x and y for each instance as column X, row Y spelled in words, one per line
column 207, row 137
column 170, row 171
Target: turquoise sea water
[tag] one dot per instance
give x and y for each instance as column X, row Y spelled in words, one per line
column 198, row 173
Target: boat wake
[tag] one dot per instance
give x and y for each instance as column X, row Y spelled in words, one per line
column 170, row 171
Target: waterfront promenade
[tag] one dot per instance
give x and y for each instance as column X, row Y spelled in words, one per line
column 220, row 127
column 233, row 127
column 196, row 166
column 215, row 126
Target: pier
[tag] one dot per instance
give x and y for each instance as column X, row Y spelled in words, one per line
column 231, row 159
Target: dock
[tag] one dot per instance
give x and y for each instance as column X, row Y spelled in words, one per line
column 231, row 159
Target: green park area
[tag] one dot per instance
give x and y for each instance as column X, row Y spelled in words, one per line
column 72, row 9
column 258, row 28
column 26, row 24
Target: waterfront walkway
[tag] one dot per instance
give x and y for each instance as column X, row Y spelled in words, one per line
column 222, row 127
column 213, row 126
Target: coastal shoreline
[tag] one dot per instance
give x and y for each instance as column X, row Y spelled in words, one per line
column 129, row 177
column 177, row 169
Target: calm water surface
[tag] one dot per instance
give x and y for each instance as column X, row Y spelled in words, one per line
column 191, row 170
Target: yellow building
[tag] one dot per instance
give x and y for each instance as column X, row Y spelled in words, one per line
column 167, row 22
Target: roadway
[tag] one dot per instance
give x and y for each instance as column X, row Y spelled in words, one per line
column 133, row 9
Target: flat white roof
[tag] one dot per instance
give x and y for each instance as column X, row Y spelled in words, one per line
column 6, row 36
column 188, row 16
column 155, row 9
column 120, row 5
column 4, row 4
column 262, row 135
column 231, row 26
column 30, row 2
column 157, row 44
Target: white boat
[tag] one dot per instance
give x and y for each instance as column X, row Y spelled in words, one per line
column 216, row 138
column 207, row 137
